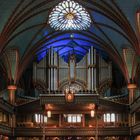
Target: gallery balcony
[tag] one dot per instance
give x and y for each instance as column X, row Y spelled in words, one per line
column 135, row 105
column 121, row 131
column 136, row 129
column 6, row 130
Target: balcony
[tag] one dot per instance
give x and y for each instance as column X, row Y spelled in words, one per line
column 71, row 131
column 136, row 129
column 135, row 105
column 4, row 105
column 5, row 130
column 60, row 98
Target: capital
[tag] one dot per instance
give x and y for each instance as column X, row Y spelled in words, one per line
column 131, row 86
column 12, row 87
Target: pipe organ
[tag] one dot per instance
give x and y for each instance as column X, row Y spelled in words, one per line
column 88, row 73
column 81, row 70
column 105, row 70
column 63, row 71
column 91, row 56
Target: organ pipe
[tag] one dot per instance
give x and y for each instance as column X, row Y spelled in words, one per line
column 95, row 74
column 85, row 71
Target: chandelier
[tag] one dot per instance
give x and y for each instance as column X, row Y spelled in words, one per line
column 69, row 15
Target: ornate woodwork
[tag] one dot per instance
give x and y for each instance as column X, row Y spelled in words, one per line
column 4, row 105
column 5, row 130
column 71, row 132
column 60, row 99
column 136, row 129
column 135, row 105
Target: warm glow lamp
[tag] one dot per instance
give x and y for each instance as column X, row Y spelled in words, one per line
column 49, row 114
column 92, row 113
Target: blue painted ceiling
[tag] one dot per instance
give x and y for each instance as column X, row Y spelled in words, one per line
column 25, row 25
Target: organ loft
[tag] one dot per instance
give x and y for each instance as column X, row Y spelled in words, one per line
column 69, row 70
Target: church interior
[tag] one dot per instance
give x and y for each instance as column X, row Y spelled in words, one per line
column 69, row 70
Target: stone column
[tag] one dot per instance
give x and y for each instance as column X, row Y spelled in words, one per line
column 12, row 89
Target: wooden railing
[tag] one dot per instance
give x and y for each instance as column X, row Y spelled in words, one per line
column 60, row 98
column 5, row 130
column 89, row 124
column 4, row 105
column 71, row 131
column 135, row 105
column 62, row 92
column 136, row 129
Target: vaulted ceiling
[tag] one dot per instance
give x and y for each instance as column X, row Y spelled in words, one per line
column 114, row 32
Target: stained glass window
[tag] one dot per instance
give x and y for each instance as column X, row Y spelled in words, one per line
column 69, row 15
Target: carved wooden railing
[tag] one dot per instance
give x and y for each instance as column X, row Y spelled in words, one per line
column 136, row 129
column 40, row 85
column 123, row 98
column 81, row 98
column 4, row 105
column 71, row 131
column 104, row 86
column 113, row 104
column 62, row 92
column 60, row 98
column 22, row 99
column 5, row 130
column 135, row 105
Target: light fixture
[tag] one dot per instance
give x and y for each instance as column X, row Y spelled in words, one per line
column 69, row 95
column 49, row 114
column 69, row 15
column 92, row 113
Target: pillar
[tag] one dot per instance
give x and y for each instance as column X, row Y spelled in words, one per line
column 83, row 120
column 96, row 129
column 43, row 127
column 12, row 89
column 131, row 88
column 60, row 120
column 138, row 137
